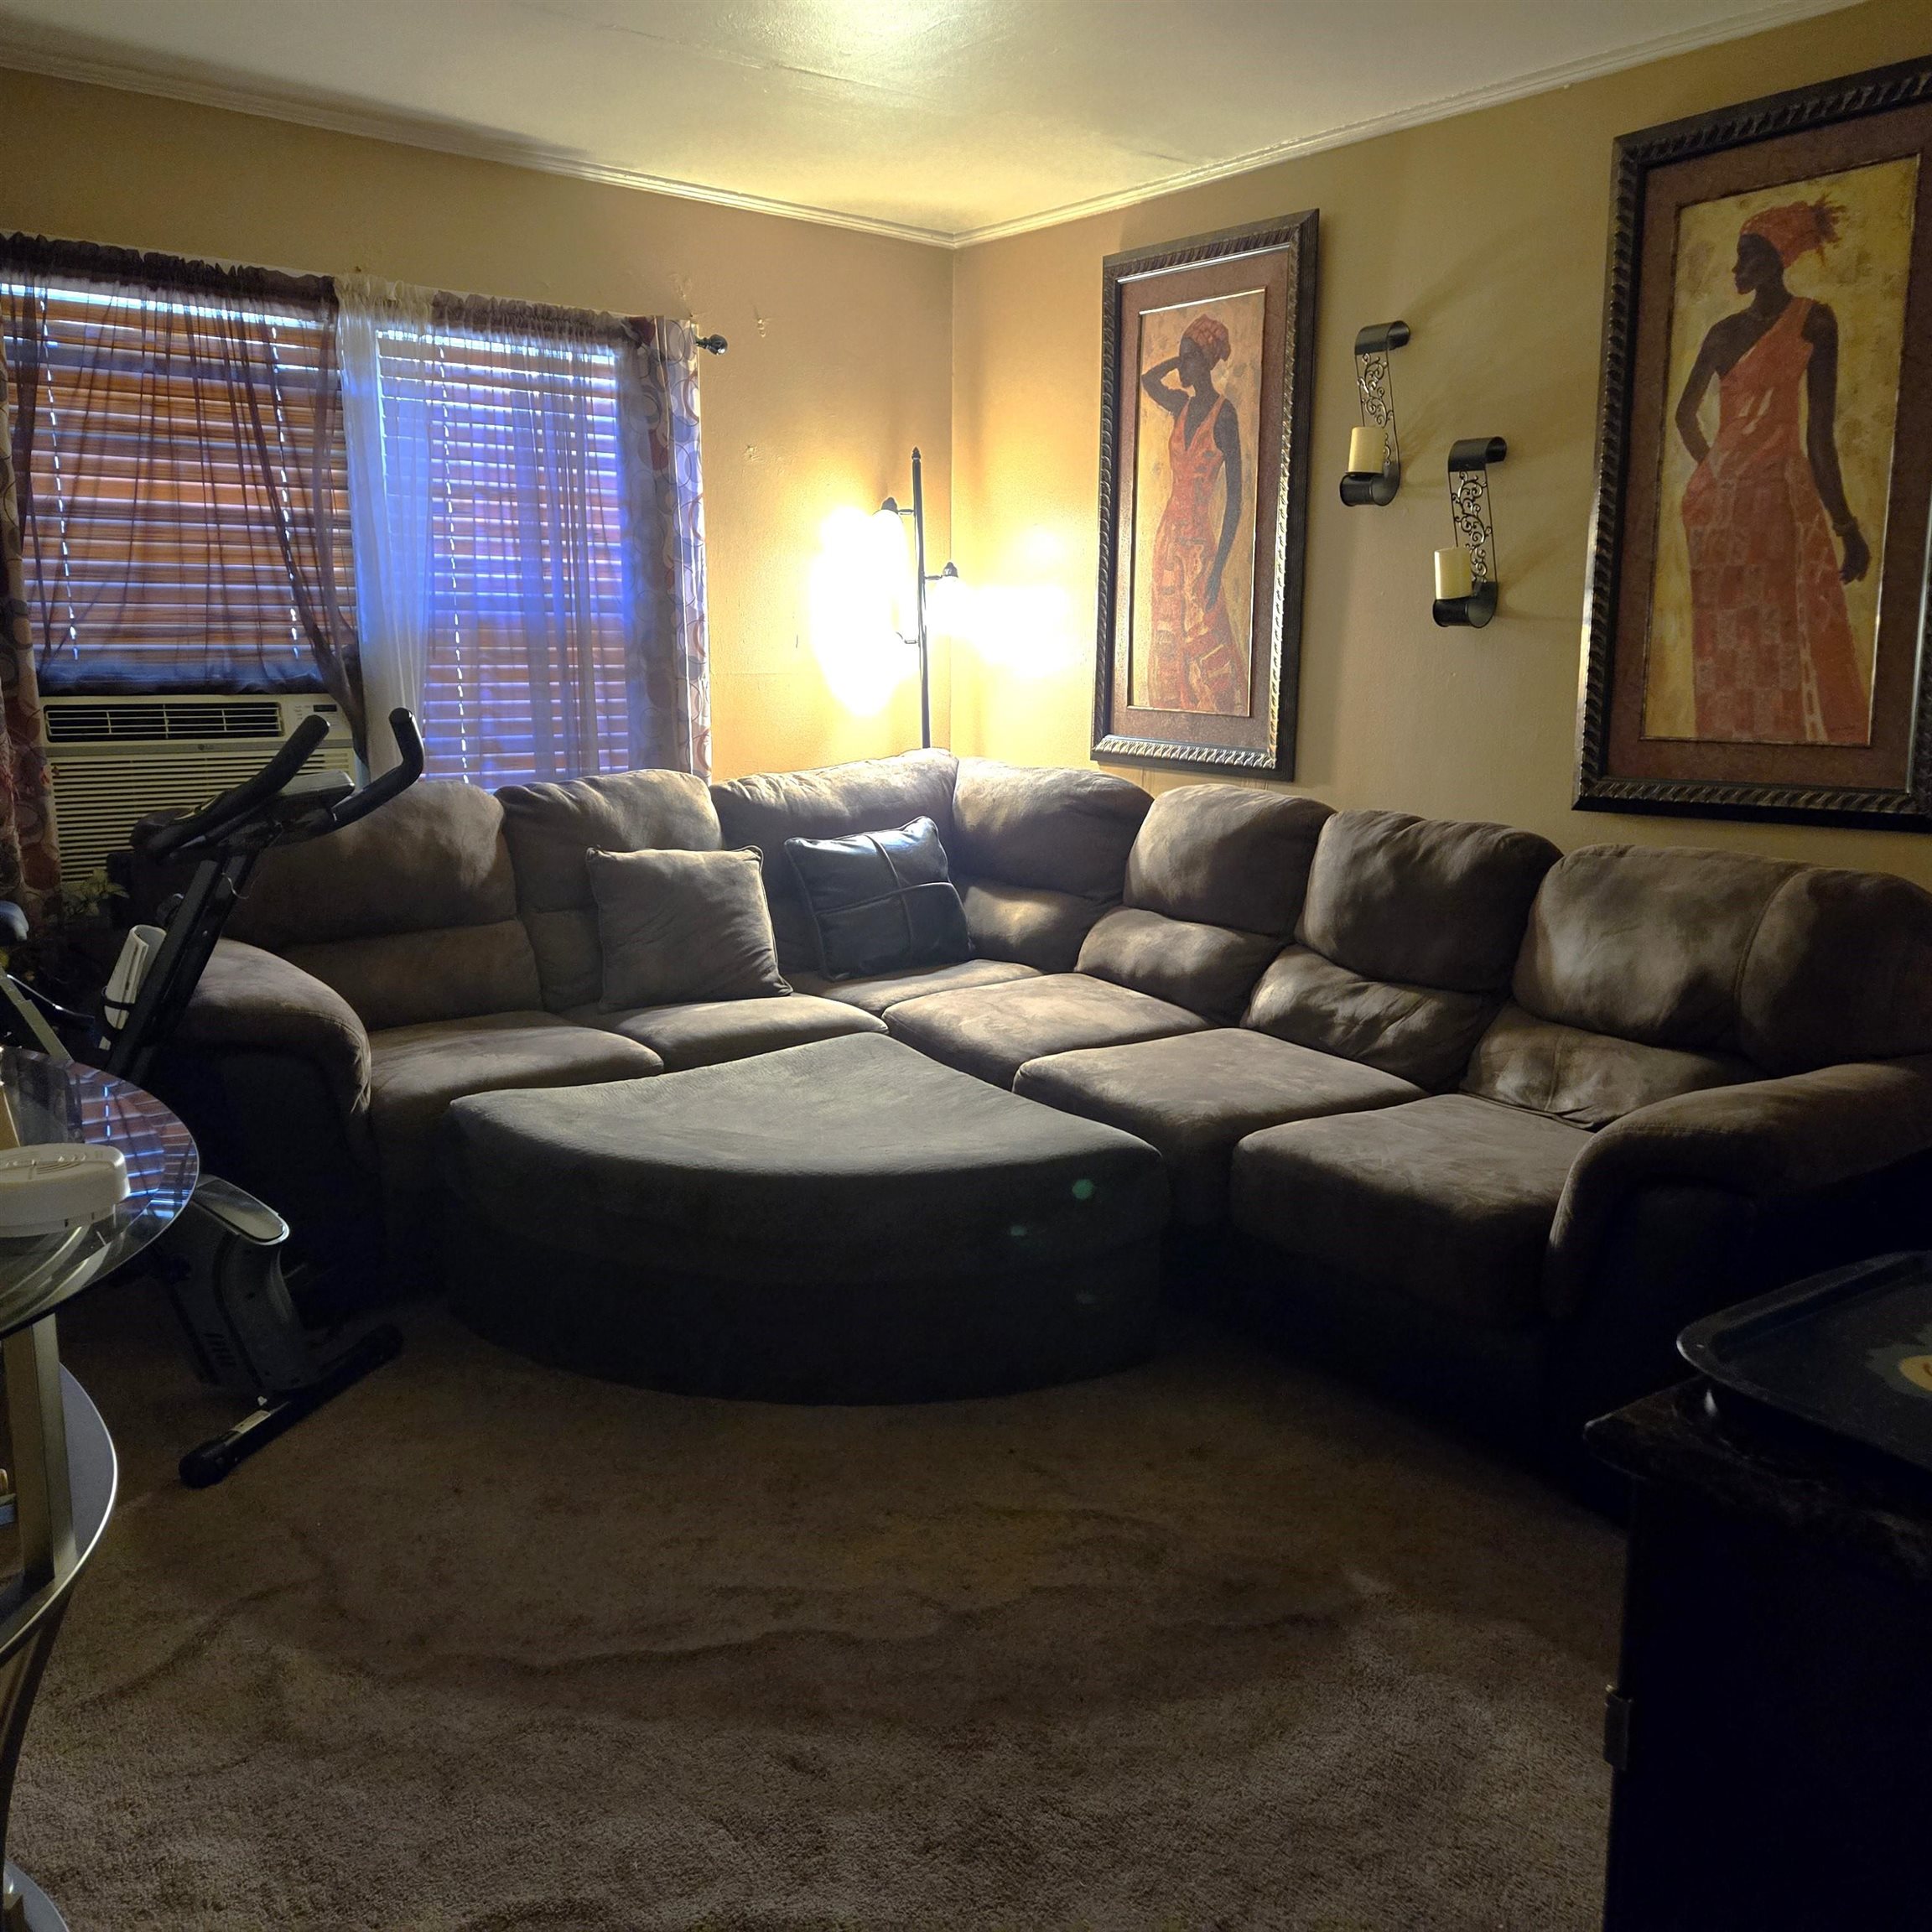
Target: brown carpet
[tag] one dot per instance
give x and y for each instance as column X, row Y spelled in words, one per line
column 1217, row 1644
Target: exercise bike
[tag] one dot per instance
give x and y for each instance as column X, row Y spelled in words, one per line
column 221, row 1261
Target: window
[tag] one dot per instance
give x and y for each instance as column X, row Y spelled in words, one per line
column 530, row 666
column 182, row 477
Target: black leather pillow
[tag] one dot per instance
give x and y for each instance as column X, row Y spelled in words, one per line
column 880, row 901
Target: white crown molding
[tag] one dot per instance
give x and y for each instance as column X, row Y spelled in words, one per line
column 1545, row 80
column 403, row 130
column 375, row 124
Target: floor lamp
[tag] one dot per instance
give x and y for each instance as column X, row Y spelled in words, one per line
column 949, row 573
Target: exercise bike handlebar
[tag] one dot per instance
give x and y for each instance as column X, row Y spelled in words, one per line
column 230, row 813
column 398, row 778
column 240, row 800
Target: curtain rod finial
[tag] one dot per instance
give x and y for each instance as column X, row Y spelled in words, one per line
column 715, row 343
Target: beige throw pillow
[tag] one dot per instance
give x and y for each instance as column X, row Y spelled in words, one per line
column 683, row 926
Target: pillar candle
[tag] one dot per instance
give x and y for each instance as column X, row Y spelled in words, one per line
column 1366, row 450
column 1452, row 574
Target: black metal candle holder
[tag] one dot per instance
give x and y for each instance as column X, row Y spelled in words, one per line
column 1372, row 348
column 1469, row 519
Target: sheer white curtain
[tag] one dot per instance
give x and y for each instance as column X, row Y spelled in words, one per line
column 387, row 349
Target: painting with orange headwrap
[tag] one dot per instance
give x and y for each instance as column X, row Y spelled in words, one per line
column 1787, row 330
column 1191, row 619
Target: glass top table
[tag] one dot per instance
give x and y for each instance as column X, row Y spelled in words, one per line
column 52, row 1103
column 59, row 1451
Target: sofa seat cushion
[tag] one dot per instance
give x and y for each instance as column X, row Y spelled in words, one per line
column 706, row 1031
column 1194, row 1095
column 993, row 1030
column 884, row 990
column 1448, row 1200
column 415, row 1072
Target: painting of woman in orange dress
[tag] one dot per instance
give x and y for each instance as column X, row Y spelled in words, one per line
column 1773, row 540
column 1194, row 661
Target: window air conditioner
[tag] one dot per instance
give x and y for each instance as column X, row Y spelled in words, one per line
column 115, row 759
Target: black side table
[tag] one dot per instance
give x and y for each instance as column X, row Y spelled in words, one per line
column 63, row 1461
column 1771, row 1725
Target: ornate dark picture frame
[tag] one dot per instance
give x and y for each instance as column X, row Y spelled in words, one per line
column 1200, row 600
column 1873, row 767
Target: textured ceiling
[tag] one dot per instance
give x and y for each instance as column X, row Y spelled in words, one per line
column 947, row 120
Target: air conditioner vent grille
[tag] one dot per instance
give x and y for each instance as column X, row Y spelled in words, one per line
column 74, row 723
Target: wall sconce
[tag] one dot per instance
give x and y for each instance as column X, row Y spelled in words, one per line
column 1466, row 574
column 1375, row 449
column 948, row 573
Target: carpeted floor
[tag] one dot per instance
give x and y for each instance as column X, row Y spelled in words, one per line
column 1217, row 1644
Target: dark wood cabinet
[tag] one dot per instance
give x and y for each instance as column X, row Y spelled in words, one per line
column 1770, row 1729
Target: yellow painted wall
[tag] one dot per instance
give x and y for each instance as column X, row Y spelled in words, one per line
column 840, row 343
column 1486, row 233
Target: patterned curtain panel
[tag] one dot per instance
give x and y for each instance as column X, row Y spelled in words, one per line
column 666, row 503
column 29, row 864
column 178, row 440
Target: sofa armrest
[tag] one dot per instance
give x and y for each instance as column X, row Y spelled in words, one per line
column 1761, row 1140
column 258, row 1001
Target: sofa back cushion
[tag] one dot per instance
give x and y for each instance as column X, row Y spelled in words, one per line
column 1213, row 885
column 1039, row 853
column 1626, row 991
column 1407, row 937
column 410, row 914
column 1647, row 943
column 869, row 795
column 1841, row 969
column 550, row 828
column 1226, row 855
column 1588, row 1079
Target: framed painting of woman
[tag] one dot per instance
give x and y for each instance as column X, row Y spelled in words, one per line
column 1207, row 360
column 1755, row 624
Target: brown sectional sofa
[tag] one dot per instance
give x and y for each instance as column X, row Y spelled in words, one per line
column 1428, row 1090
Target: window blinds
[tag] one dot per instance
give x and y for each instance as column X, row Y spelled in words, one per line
column 183, row 483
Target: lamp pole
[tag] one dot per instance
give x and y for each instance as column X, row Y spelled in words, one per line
column 919, row 638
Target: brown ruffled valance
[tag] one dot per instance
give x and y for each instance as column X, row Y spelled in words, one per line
column 41, row 255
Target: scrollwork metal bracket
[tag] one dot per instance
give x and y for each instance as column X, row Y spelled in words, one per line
column 1469, row 519
column 1373, row 346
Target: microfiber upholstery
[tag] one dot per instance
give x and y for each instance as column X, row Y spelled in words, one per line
column 550, row 827
column 886, row 990
column 1626, row 989
column 1448, row 1200
column 415, row 1072
column 993, row 1031
column 1195, row 1095
column 1588, row 1078
column 1214, row 884
column 705, row 1032
column 451, row 973
column 847, row 1222
column 251, row 1000
column 1841, row 969
column 432, row 858
column 1408, row 931
column 1647, row 943
column 410, row 914
column 1039, row 855
column 831, row 802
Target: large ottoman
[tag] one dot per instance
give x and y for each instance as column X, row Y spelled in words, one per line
column 842, row 1222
